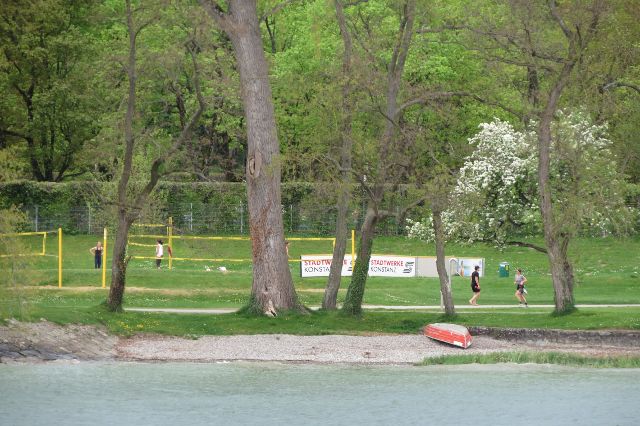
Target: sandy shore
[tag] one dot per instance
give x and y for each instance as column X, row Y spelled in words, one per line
column 45, row 341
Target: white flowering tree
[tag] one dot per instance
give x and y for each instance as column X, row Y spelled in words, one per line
column 496, row 195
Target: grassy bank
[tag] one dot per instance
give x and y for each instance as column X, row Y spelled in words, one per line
column 607, row 272
column 319, row 323
column 537, row 358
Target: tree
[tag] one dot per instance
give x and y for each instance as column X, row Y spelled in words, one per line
column 344, row 165
column 495, row 197
column 388, row 157
column 272, row 288
column 547, row 44
column 52, row 98
column 130, row 201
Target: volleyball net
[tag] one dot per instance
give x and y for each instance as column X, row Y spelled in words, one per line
column 32, row 244
column 193, row 252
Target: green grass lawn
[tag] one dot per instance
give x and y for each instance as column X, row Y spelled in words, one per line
column 607, row 272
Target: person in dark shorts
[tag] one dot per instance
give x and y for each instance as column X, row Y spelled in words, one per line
column 159, row 253
column 519, row 281
column 97, row 255
column 475, row 286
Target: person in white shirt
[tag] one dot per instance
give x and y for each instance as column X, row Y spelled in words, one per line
column 159, row 253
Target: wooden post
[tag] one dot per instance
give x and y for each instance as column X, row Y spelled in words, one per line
column 104, row 258
column 353, row 248
column 170, row 248
column 59, row 257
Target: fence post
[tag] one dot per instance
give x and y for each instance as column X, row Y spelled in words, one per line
column 353, row 248
column 241, row 218
column 59, row 257
column 104, row 258
column 290, row 217
column 89, row 210
column 170, row 248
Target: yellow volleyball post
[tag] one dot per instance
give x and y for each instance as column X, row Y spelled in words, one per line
column 59, row 257
column 170, row 248
column 44, row 244
column 353, row 247
column 104, row 258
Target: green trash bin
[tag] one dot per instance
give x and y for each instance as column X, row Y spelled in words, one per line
column 503, row 270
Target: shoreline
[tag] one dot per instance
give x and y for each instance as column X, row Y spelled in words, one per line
column 46, row 342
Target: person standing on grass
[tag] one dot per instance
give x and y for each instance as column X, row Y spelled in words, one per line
column 475, row 286
column 519, row 281
column 159, row 253
column 97, row 255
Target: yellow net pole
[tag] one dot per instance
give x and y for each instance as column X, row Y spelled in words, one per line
column 44, row 245
column 59, row 257
column 170, row 248
column 353, row 247
column 104, row 258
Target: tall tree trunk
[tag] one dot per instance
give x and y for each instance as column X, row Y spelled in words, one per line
column 342, row 229
column 384, row 169
column 119, row 263
column 128, row 210
column 272, row 288
column 355, row 293
column 441, row 267
column 557, row 243
column 335, row 272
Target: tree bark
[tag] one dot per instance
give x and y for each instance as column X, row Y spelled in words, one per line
column 330, row 299
column 557, row 244
column 355, row 293
column 128, row 211
column 385, row 160
column 441, row 267
column 119, row 263
column 272, row 288
column 342, row 230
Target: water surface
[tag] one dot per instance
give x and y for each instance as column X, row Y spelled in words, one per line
column 275, row 394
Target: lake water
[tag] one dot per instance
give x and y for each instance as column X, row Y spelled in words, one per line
column 276, row 394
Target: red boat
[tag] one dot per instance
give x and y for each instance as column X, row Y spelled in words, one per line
column 452, row 334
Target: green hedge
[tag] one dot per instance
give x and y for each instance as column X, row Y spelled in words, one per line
column 196, row 207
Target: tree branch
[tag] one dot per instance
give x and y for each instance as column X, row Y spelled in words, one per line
column 214, row 10
column 184, row 134
column 445, row 95
column 12, row 133
column 528, row 245
column 615, row 84
column 277, row 8
column 554, row 12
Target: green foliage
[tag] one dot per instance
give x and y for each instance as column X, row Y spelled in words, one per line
column 16, row 268
column 496, row 195
column 50, row 97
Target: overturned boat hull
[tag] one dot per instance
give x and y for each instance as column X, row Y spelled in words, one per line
column 452, row 334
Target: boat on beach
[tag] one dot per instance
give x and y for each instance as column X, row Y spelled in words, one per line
column 452, row 334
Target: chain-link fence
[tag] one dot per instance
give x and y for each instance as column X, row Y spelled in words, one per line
column 201, row 219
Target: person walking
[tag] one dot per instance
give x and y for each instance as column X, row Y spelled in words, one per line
column 159, row 253
column 519, row 281
column 97, row 255
column 475, row 286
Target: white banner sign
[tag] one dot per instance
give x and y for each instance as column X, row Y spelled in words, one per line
column 379, row 266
